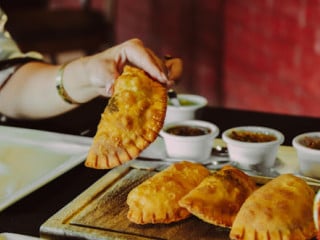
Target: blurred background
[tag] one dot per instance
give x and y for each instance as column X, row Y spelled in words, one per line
column 259, row 55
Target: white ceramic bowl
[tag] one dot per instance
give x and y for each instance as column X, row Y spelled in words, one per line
column 195, row 148
column 309, row 158
column 185, row 112
column 253, row 155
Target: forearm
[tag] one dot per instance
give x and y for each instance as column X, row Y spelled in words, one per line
column 31, row 91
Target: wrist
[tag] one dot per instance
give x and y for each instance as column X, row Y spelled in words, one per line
column 63, row 93
column 75, row 83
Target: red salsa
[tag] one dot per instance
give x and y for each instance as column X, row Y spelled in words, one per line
column 188, row 130
column 250, row 136
column 311, row 142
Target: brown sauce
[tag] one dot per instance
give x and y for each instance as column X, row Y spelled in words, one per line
column 311, row 142
column 249, row 136
column 188, row 130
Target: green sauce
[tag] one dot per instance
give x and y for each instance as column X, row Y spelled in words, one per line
column 184, row 102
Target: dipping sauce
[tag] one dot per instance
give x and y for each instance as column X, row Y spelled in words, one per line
column 184, row 102
column 188, row 130
column 311, row 142
column 248, row 136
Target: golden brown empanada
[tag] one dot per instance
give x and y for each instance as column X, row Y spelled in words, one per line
column 281, row 209
column 218, row 198
column 156, row 199
column 131, row 120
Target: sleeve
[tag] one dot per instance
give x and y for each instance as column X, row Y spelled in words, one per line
column 11, row 56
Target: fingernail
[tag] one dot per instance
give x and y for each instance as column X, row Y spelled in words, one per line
column 109, row 88
column 171, row 83
column 163, row 77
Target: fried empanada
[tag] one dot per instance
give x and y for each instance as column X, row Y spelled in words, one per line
column 131, row 120
column 218, row 198
column 156, row 199
column 281, row 209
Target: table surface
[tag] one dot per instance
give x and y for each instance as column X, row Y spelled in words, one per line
column 27, row 215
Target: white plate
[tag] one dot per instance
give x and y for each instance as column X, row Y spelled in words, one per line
column 287, row 161
column 156, row 150
column 31, row 158
column 14, row 236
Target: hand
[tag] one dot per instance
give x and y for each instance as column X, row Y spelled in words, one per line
column 103, row 68
column 174, row 70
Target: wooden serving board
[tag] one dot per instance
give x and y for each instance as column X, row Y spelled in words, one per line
column 100, row 212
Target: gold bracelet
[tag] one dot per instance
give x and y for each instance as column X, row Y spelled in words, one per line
column 61, row 90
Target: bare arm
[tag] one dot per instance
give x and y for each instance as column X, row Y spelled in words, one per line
column 31, row 91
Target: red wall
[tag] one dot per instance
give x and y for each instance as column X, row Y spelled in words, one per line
column 272, row 56
column 96, row 4
column 185, row 28
column 249, row 54
column 253, row 54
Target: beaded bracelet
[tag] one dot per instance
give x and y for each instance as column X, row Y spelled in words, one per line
column 61, row 90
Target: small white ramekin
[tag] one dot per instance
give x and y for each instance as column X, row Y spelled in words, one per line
column 188, row 112
column 253, row 155
column 308, row 158
column 195, row 148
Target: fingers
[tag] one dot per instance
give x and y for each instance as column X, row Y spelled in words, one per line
column 136, row 54
column 168, row 71
column 175, row 68
column 133, row 52
column 160, row 64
